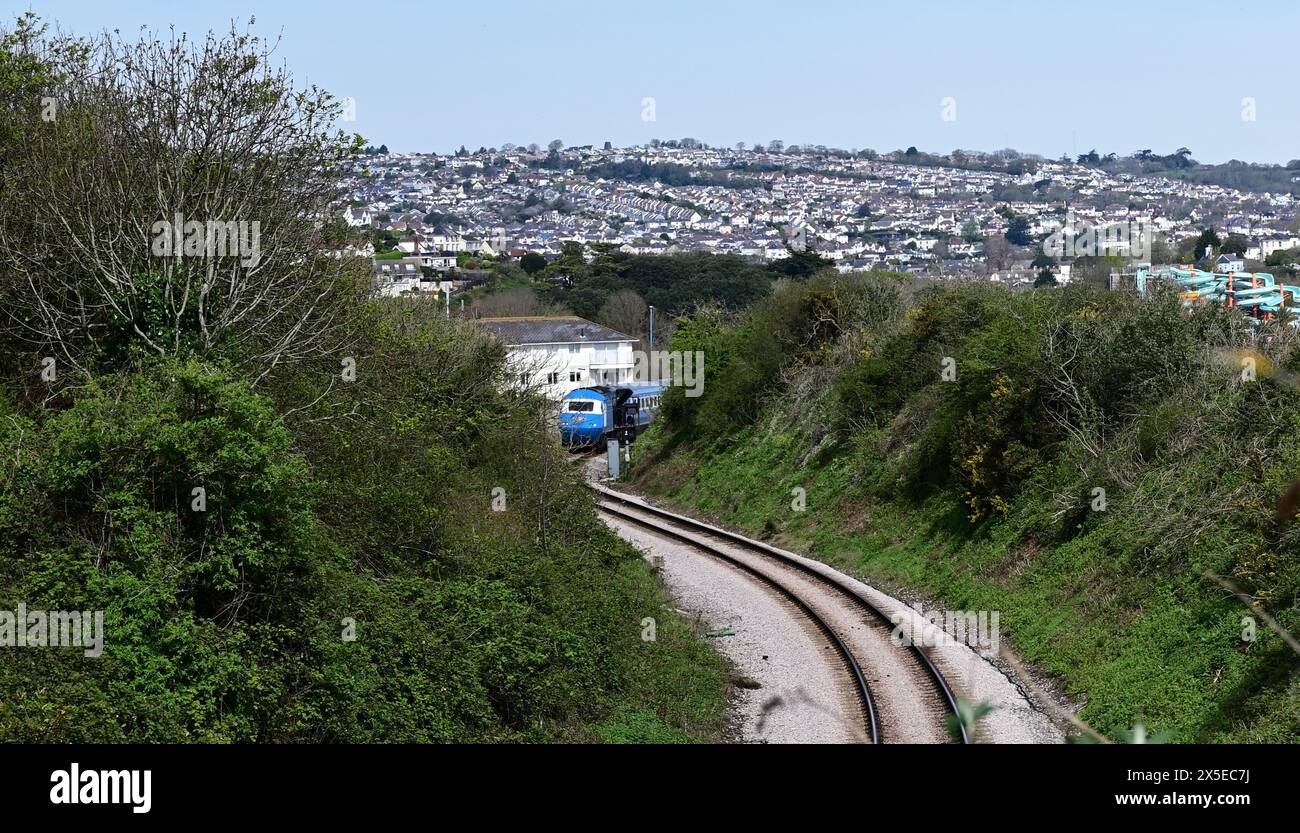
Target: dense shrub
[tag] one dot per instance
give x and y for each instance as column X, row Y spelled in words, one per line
column 1093, row 456
column 228, row 624
column 797, row 325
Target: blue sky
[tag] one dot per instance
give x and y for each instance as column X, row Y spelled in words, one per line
column 1042, row 78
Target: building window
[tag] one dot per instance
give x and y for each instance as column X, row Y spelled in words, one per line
column 574, row 349
column 525, row 378
column 575, row 375
column 552, row 378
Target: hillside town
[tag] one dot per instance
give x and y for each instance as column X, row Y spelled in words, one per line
column 953, row 216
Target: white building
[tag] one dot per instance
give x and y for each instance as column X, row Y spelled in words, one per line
column 442, row 241
column 357, row 216
column 559, row 354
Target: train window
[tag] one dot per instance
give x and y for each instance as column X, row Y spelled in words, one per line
column 578, row 405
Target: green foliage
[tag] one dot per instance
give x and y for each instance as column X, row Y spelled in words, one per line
column 98, row 515
column 968, row 717
column 744, row 362
column 674, row 284
column 800, row 264
column 369, row 507
column 1018, row 232
column 532, row 263
column 1210, row 241
column 982, row 489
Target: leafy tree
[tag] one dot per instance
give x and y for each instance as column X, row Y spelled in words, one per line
column 1043, row 260
column 1236, row 244
column 150, row 130
column 1207, row 244
column 1283, row 261
column 800, row 264
column 1018, row 233
column 625, row 311
column 532, row 262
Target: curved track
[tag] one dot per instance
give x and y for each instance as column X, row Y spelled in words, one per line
column 903, row 696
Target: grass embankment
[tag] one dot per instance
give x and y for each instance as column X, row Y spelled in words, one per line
column 980, row 492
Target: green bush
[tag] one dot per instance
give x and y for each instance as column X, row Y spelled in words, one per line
column 366, row 512
column 1094, row 455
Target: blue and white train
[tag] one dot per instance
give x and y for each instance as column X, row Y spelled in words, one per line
column 588, row 416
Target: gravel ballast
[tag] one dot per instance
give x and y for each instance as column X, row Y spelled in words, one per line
column 723, row 596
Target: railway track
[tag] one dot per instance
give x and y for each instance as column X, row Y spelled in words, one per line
column 903, row 697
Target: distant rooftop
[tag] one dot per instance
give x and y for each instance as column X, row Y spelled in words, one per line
column 538, row 329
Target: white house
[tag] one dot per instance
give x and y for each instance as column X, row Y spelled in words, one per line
column 440, row 240
column 559, row 354
column 357, row 216
column 1229, row 263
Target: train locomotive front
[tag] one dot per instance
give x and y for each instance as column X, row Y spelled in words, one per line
column 584, row 415
column 590, row 415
